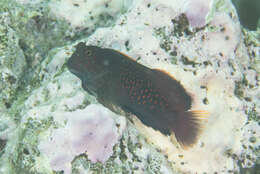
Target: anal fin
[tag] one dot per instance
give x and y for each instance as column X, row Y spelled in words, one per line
column 153, row 121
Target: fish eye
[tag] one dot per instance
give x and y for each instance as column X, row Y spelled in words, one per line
column 88, row 52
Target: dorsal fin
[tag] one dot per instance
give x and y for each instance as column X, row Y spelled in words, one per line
column 120, row 53
column 164, row 72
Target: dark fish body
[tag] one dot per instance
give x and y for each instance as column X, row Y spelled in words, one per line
column 156, row 98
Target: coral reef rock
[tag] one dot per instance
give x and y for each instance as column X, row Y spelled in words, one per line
column 49, row 124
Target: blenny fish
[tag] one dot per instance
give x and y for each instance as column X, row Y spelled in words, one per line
column 155, row 97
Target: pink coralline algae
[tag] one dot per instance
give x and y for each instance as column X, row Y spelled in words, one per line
column 92, row 131
column 197, row 11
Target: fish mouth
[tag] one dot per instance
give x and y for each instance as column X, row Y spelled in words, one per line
column 73, row 69
column 80, row 75
column 77, row 70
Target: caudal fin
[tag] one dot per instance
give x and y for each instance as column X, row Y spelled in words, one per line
column 187, row 127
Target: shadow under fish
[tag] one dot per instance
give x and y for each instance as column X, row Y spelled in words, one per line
column 156, row 98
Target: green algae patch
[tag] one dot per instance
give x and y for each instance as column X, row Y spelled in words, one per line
column 252, row 42
column 27, row 33
column 21, row 148
column 12, row 63
column 221, row 6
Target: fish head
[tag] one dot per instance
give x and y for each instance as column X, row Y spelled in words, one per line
column 88, row 62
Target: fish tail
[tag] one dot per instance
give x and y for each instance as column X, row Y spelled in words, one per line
column 187, row 126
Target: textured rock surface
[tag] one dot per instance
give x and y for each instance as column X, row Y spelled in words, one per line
column 208, row 52
column 12, row 62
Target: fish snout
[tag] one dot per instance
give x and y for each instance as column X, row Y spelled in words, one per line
column 72, row 67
